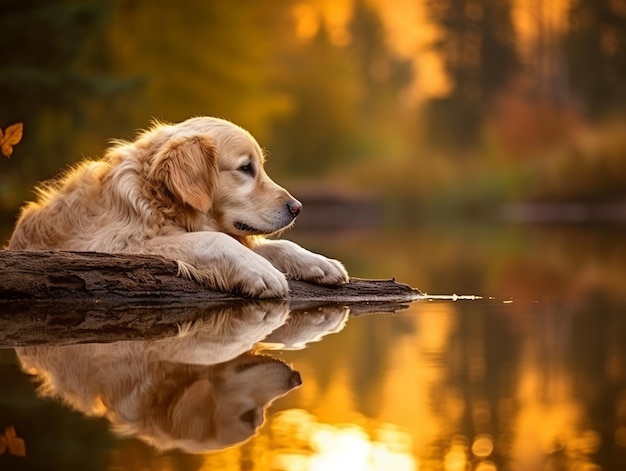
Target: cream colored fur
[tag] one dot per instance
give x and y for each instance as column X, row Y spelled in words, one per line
column 195, row 192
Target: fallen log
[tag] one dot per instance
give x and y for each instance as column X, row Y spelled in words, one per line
column 77, row 276
column 69, row 297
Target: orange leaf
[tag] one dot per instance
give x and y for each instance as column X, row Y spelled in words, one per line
column 12, row 136
column 16, row 445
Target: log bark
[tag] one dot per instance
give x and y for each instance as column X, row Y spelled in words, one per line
column 68, row 297
column 78, row 276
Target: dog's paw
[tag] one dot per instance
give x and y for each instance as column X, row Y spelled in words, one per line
column 261, row 282
column 298, row 263
column 321, row 270
column 249, row 276
column 304, row 327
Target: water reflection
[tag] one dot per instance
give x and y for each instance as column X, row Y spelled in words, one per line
column 204, row 389
column 483, row 385
column 303, row 442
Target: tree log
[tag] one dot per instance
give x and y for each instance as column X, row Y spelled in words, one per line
column 68, row 297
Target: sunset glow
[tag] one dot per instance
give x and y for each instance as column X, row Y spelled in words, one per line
column 410, row 34
column 310, row 16
column 340, row 447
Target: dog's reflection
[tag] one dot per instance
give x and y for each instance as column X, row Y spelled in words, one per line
column 205, row 389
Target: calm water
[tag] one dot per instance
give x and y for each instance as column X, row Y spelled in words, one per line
column 530, row 377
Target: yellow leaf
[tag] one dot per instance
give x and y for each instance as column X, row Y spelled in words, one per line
column 12, row 136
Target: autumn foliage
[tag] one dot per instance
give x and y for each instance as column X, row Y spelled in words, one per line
column 11, row 443
column 11, row 136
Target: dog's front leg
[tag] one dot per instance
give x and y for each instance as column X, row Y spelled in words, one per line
column 220, row 262
column 298, row 263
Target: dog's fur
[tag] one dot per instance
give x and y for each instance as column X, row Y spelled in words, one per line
column 195, row 192
column 169, row 405
column 204, row 389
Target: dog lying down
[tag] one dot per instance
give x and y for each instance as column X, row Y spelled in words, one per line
column 195, row 192
column 205, row 389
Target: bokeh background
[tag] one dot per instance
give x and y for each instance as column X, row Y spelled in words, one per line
column 434, row 105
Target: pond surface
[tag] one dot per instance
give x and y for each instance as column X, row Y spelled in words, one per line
column 530, row 377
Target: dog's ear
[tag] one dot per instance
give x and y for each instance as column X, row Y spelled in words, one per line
column 193, row 415
column 187, row 168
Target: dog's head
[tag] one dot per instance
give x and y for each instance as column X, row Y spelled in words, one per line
column 211, row 166
column 201, row 412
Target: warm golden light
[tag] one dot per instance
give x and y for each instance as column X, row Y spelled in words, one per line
column 410, row 35
column 308, row 444
column 306, row 21
column 486, row 466
column 482, row 446
column 335, row 16
column 455, row 459
column 533, row 18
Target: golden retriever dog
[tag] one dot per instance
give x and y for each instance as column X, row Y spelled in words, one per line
column 204, row 389
column 195, row 192
column 201, row 390
column 169, row 405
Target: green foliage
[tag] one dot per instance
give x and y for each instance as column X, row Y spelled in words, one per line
column 44, row 85
column 198, row 58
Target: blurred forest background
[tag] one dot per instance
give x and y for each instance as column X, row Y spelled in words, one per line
column 442, row 104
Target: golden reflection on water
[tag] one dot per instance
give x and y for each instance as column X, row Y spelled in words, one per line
column 418, row 415
column 328, row 431
column 305, row 443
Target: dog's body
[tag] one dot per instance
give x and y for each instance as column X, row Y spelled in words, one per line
column 193, row 407
column 204, row 389
column 195, row 192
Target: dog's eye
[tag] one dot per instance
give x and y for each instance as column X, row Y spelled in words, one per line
column 249, row 417
column 248, row 168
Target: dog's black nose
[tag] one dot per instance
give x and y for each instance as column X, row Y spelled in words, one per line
column 295, row 379
column 294, row 207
